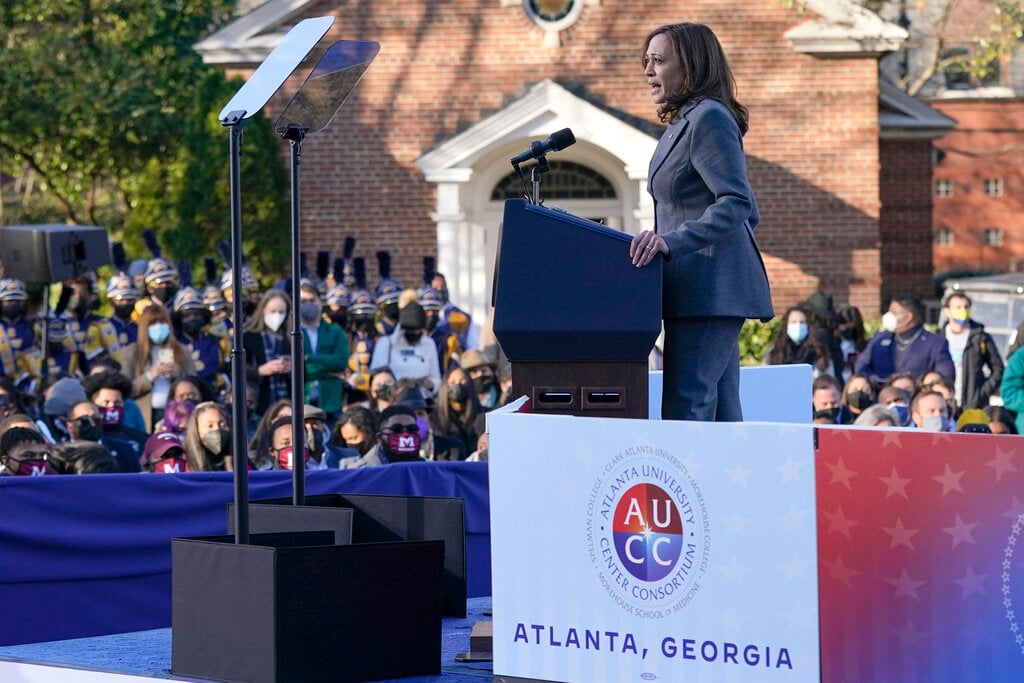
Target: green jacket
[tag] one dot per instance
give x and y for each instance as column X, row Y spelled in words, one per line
column 325, row 366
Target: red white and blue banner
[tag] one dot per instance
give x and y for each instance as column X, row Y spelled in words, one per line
column 637, row 550
column 920, row 556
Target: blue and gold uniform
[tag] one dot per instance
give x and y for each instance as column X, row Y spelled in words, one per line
column 209, row 352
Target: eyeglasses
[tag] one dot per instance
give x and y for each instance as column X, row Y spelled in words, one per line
column 402, row 429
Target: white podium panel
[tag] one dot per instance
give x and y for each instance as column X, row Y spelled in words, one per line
column 635, row 550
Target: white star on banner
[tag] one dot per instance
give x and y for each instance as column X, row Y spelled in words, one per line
column 840, row 474
column 840, row 523
column 738, row 475
column 895, row 485
column 906, row 586
column 950, row 480
column 1002, row 463
column 909, row 635
column 735, row 523
column 971, row 583
column 796, row 567
column 900, row 535
column 891, row 437
column 691, row 463
column 839, row 571
column 961, row 531
column 794, row 517
column 790, row 471
column 1016, row 510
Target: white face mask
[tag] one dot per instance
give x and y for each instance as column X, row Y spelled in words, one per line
column 273, row 320
column 889, row 322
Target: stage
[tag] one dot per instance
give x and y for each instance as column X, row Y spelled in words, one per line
column 146, row 655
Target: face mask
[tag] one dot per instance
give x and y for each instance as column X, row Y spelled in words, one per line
column 423, row 426
column 847, row 347
column 444, row 294
column 831, row 413
column 192, row 326
column 363, row 323
column 902, row 414
column 859, row 399
column 309, row 311
column 274, row 320
column 248, row 308
column 216, row 441
column 889, row 322
column 404, row 445
column 169, row 466
column 960, row 316
column 383, row 392
column 431, row 322
column 797, row 332
column 362, row 447
column 339, row 318
column 483, row 383
column 89, row 428
column 314, row 440
column 390, row 311
column 164, row 294
column 112, row 417
column 413, row 337
column 123, row 311
column 34, row 467
column 284, row 457
column 13, row 311
column 159, row 332
column 934, row 423
column 457, row 393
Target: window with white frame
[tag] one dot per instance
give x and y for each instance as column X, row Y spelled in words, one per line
column 944, row 237
column 992, row 237
column 993, row 187
column 943, row 188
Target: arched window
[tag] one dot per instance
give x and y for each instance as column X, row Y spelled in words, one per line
column 565, row 180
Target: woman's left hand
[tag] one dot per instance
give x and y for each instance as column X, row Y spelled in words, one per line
column 644, row 246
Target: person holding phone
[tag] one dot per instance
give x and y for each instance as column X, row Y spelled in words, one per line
column 268, row 349
column 153, row 362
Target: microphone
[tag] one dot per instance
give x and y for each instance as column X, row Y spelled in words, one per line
column 557, row 141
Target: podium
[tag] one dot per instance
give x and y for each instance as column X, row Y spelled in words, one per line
column 576, row 319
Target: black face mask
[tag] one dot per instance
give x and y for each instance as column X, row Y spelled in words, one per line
column 384, row 392
column 413, row 336
column 390, row 311
column 431, row 322
column 483, row 383
column 89, row 428
column 13, row 310
column 165, row 293
column 123, row 311
column 192, row 326
column 362, row 447
column 831, row 413
column 248, row 308
column 363, row 323
column 314, row 441
column 859, row 399
column 457, row 393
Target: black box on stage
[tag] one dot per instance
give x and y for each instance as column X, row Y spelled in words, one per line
column 376, row 519
column 575, row 317
column 295, row 607
column 50, row 252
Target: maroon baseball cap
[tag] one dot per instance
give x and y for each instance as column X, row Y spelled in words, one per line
column 158, row 445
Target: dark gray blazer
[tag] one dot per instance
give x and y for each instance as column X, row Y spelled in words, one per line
column 706, row 213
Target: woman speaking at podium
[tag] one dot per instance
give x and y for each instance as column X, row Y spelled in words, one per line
column 705, row 215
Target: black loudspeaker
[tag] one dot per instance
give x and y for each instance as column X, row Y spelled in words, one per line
column 51, row 253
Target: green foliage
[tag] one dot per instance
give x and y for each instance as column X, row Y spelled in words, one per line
column 113, row 114
column 756, row 339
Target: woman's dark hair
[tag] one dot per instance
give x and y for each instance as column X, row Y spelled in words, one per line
column 359, row 417
column 82, row 457
column 816, row 350
column 850, row 325
column 1001, row 415
column 706, row 72
column 444, row 415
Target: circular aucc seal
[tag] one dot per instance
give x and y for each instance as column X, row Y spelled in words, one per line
column 648, row 533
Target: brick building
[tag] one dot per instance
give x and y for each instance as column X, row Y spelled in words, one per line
column 979, row 186
column 417, row 160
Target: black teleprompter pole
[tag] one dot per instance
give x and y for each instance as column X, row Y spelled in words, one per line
column 295, row 134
